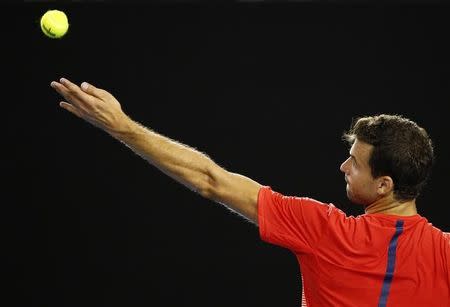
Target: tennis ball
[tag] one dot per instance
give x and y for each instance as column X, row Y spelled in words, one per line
column 54, row 23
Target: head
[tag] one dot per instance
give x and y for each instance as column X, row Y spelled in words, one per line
column 390, row 155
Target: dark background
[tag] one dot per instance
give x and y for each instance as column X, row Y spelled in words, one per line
column 264, row 88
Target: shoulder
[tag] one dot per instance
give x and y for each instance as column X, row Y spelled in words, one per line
column 270, row 198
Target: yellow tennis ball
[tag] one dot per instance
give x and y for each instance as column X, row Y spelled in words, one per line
column 54, row 23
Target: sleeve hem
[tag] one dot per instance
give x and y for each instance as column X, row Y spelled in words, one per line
column 261, row 215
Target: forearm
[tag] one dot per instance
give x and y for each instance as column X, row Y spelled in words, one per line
column 181, row 162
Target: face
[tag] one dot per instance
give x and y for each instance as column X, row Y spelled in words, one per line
column 361, row 186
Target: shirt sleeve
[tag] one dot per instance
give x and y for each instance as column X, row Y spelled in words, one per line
column 296, row 223
column 447, row 245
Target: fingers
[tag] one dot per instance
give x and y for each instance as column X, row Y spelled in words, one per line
column 72, row 92
column 94, row 91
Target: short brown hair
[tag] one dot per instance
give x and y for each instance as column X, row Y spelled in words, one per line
column 402, row 150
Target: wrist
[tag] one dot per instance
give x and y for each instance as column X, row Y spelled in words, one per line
column 124, row 128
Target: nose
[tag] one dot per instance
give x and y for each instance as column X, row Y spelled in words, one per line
column 344, row 165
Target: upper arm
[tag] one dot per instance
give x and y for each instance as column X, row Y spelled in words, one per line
column 235, row 191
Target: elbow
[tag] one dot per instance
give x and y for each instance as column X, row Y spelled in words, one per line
column 208, row 188
column 209, row 185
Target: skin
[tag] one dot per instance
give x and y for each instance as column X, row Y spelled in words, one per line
column 199, row 173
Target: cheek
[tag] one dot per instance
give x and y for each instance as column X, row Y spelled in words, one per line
column 356, row 179
column 362, row 185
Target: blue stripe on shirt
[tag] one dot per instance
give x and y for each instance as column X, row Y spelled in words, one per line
column 390, row 264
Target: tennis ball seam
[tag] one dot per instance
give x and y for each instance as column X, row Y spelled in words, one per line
column 48, row 31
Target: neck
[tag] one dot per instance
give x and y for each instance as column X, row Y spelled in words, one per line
column 393, row 207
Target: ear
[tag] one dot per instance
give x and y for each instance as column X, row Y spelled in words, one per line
column 385, row 185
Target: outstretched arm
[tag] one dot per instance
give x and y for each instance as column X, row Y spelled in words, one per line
column 184, row 164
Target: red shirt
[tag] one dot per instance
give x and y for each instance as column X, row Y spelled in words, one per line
column 368, row 260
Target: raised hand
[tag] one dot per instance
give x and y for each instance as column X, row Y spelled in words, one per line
column 92, row 104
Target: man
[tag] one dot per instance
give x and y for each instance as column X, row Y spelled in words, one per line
column 389, row 256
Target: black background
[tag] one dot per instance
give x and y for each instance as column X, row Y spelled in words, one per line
column 265, row 89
